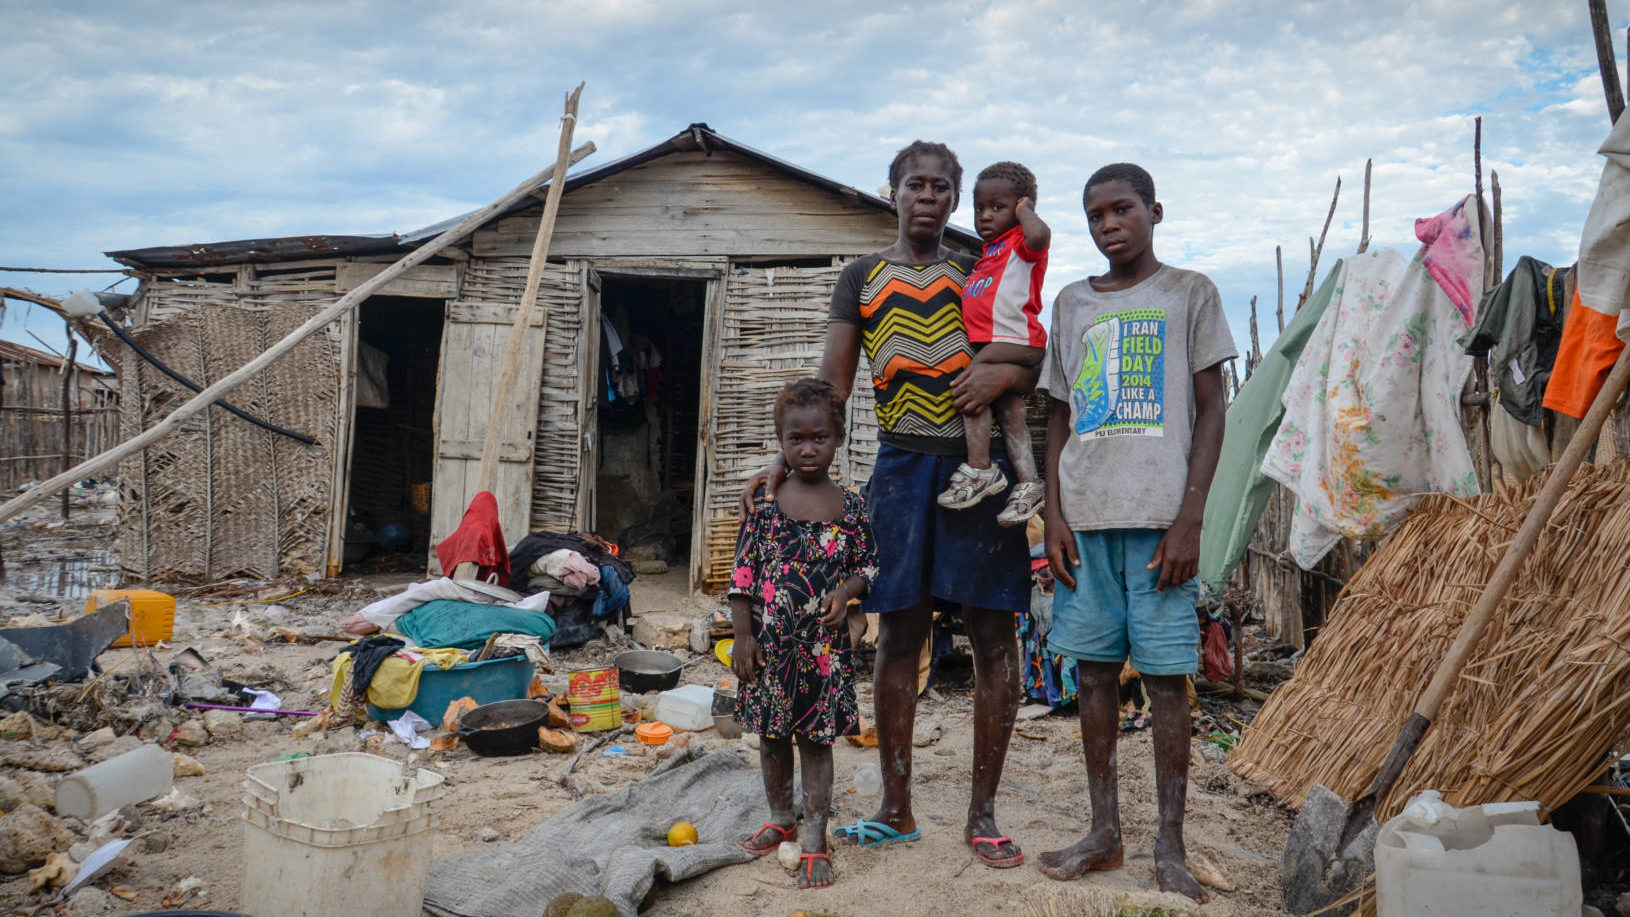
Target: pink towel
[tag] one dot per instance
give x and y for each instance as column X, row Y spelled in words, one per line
column 1454, row 254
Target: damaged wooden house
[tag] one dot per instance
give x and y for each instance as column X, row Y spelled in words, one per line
column 686, row 283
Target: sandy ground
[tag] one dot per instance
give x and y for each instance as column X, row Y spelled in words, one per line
column 1042, row 801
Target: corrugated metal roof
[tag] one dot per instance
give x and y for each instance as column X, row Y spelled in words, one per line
column 695, row 137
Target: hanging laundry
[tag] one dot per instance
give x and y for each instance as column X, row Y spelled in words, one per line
column 1240, row 491
column 1599, row 318
column 478, row 539
column 1372, row 408
column 1519, row 326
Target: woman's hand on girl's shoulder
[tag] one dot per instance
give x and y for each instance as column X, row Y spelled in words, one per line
column 766, row 479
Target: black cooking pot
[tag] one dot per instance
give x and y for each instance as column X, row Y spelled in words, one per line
column 639, row 671
column 509, row 727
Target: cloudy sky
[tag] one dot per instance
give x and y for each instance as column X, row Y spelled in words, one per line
column 153, row 122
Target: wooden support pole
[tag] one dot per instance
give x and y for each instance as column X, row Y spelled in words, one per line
column 1364, row 234
column 1256, row 343
column 1279, row 265
column 1313, row 261
column 1497, row 257
column 1605, row 59
column 68, row 379
column 513, row 354
column 316, row 323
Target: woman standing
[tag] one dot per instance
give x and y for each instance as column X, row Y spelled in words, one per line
column 903, row 307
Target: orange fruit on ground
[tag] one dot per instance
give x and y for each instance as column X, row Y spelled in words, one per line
column 682, row 834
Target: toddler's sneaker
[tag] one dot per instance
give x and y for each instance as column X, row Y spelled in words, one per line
column 969, row 485
column 1025, row 501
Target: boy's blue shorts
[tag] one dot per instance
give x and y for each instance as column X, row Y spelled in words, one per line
column 960, row 556
column 1114, row 613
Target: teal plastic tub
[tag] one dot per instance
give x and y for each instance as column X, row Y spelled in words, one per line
column 488, row 682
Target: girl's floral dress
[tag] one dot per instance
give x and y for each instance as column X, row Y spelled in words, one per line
column 786, row 567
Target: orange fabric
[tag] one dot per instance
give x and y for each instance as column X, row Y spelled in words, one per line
column 1590, row 345
column 478, row 539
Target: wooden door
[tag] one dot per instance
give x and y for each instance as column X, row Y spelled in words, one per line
column 474, row 342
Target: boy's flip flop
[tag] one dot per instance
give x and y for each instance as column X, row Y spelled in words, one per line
column 869, row 833
column 992, row 859
column 787, row 834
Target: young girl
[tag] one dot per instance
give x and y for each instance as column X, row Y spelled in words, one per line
column 799, row 562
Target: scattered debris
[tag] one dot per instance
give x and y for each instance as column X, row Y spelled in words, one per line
column 28, row 837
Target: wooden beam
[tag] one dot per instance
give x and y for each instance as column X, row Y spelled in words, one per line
column 1313, row 261
column 1605, row 59
column 1364, row 234
column 242, row 374
column 513, row 354
column 1279, row 265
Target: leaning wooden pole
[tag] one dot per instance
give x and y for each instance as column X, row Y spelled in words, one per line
column 516, row 349
column 247, row 371
column 1279, row 265
column 1605, row 59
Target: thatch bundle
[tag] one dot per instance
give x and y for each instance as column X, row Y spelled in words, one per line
column 1545, row 697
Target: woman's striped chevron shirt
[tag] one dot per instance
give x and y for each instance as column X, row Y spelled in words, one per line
column 910, row 320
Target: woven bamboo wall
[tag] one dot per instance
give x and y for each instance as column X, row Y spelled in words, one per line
column 773, row 330
column 31, row 421
column 221, row 497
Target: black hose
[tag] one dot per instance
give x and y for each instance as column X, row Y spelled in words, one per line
column 195, row 387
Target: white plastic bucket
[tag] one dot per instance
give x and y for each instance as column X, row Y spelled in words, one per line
column 337, row 834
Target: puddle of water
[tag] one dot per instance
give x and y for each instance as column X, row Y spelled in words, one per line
column 68, row 579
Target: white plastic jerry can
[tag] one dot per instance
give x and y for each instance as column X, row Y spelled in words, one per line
column 1488, row 860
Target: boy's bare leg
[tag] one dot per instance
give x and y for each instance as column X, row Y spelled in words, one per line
column 1009, row 410
column 817, row 783
column 775, row 764
column 1169, row 697
column 995, row 703
column 1101, row 848
column 894, row 695
column 976, row 428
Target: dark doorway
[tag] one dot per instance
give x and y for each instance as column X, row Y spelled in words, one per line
column 649, row 393
column 393, row 450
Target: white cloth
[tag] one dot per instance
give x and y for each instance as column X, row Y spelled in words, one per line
column 1372, row 411
column 569, row 567
column 383, row 613
column 1604, row 246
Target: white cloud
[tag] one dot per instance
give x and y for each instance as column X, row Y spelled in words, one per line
column 220, row 121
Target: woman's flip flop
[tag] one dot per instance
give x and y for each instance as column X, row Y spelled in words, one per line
column 869, row 833
column 787, row 834
column 992, row 859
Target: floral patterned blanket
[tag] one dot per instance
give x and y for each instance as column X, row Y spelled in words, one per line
column 1372, row 410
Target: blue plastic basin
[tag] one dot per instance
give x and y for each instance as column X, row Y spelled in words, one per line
column 488, row 682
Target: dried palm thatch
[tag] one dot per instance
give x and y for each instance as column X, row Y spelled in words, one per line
column 1545, row 697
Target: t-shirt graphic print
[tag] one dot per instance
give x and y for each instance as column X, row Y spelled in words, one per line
column 1121, row 387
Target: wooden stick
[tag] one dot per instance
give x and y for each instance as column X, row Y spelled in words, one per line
column 529, row 297
column 1313, row 264
column 1364, row 234
column 1498, row 256
column 1256, row 343
column 1600, row 30
column 247, row 371
column 69, row 376
column 1279, row 264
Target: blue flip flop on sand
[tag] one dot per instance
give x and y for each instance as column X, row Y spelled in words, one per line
column 869, row 833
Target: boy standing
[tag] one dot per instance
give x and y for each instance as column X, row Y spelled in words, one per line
column 1134, row 372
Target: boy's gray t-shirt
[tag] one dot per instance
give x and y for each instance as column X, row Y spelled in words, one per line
column 1124, row 362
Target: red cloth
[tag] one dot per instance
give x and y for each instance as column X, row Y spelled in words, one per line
column 1219, row 662
column 478, row 540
